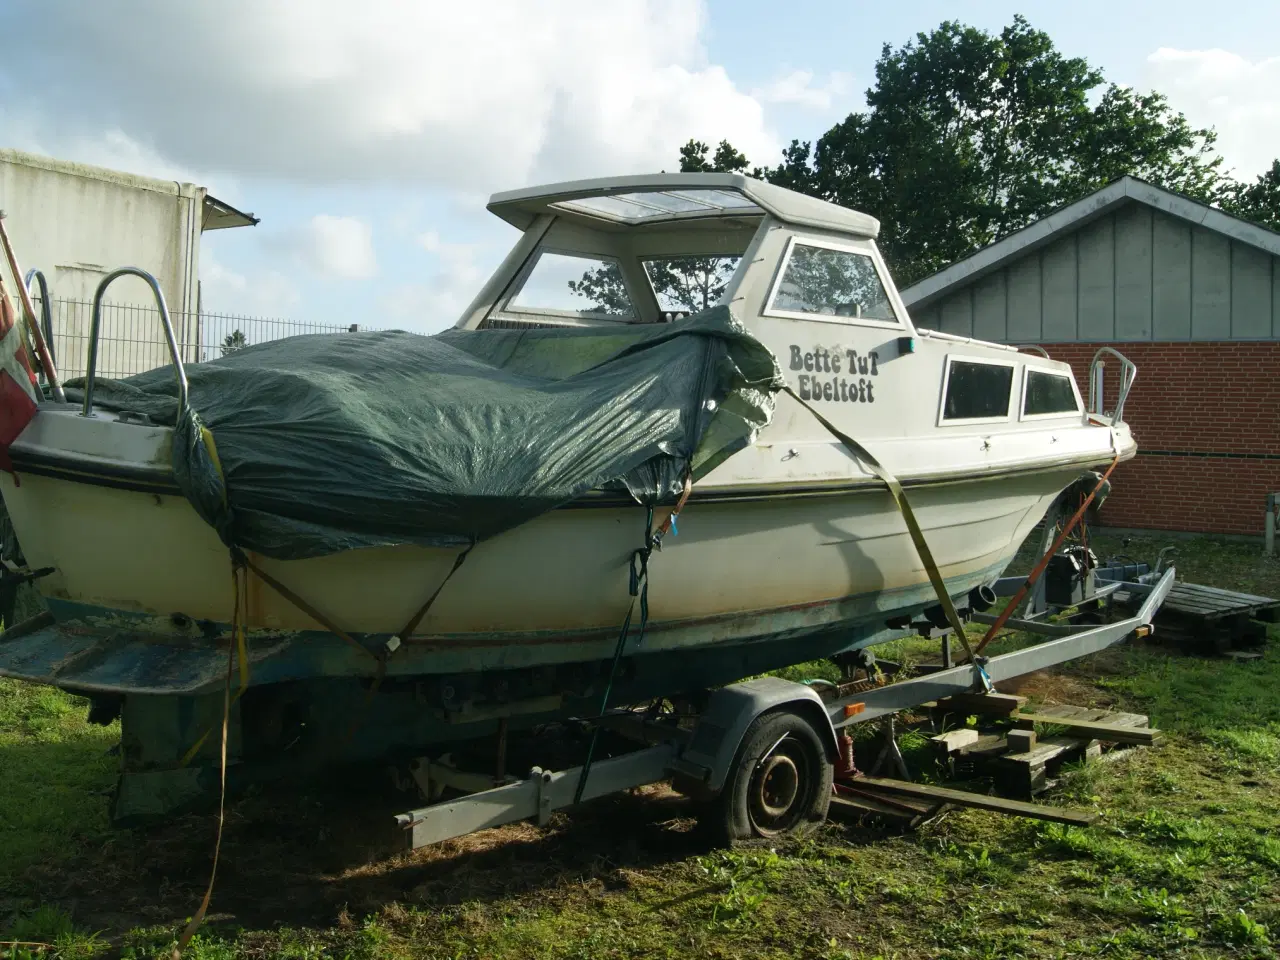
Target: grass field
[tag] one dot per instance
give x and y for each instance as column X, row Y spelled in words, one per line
column 1185, row 860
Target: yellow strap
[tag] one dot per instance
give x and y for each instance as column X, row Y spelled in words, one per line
column 198, row 918
column 241, row 653
column 900, row 498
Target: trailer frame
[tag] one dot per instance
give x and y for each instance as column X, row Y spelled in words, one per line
column 701, row 761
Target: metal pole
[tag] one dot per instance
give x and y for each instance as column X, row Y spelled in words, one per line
column 1269, row 530
column 42, row 348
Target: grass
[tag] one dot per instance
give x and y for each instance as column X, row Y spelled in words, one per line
column 1183, row 862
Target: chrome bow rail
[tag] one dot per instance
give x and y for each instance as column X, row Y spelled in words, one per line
column 1097, row 372
column 95, row 329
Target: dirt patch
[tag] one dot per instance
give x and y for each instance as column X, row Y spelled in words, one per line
column 308, row 859
column 1053, row 687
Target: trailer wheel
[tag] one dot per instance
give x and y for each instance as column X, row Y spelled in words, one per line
column 780, row 781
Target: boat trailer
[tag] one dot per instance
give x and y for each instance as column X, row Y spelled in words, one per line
column 761, row 754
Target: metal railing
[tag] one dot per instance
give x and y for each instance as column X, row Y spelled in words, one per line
column 131, row 340
column 1097, row 383
column 95, row 336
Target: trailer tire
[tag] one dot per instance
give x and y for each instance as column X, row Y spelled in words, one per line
column 780, row 782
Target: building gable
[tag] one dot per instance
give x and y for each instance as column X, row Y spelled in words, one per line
column 1135, row 272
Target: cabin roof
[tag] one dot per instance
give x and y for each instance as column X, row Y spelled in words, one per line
column 666, row 197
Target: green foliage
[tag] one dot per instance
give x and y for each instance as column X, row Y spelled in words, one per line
column 47, row 932
column 969, row 136
column 234, row 341
column 1258, row 201
column 693, row 158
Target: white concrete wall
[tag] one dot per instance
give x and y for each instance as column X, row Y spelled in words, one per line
column 78, row 223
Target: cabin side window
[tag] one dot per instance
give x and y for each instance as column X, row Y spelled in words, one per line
column 685, row 285
column 821, row 281
column 976, row 391
column 574, row 285
column 1046, row 394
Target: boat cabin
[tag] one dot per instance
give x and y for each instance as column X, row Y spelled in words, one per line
column 651, row 249
column 804, row 276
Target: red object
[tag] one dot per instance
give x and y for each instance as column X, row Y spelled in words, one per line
column 18, row 397
column 1044, row 561
column 845, row 767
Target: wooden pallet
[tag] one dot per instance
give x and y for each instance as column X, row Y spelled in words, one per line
column 1194, row 615
column 1027, row 766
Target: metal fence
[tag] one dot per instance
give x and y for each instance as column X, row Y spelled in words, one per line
column 132, row 337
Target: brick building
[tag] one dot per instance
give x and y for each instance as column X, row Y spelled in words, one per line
column 1191, row 295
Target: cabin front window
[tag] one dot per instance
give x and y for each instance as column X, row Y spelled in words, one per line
column 684, row 285
column 574, row 285
column 1048, row 393
column 975, row 391
column 821, row 281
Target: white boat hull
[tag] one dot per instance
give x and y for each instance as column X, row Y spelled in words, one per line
column 551, row 591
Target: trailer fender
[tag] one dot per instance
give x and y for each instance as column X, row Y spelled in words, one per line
column 704, row 764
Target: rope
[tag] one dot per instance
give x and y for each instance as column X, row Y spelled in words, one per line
column 639, row 588
column 416, row 619
column 1043, row 564
column 238, row 619
column 241, row 557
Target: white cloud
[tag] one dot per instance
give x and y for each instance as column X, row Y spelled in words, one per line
column 483, row 95
column 452, row 276
column 797, row 87
column 265, row 293
column 338, row 247
column 1224, row 90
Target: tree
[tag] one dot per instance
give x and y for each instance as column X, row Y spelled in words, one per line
column 1258, row 201
column 233, row 341
column 693, row 158
column 969, row 136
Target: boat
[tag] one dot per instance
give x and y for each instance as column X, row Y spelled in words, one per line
column 789, row 547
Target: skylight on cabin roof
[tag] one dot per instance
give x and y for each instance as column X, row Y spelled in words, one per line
column 661, row 205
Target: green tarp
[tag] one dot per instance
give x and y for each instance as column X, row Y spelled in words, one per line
column 336, row 441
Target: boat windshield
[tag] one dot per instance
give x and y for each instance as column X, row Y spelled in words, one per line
column 689, row 284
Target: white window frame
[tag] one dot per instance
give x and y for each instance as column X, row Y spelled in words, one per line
column 946, row 383
column 886, row 283
column 508, row 303
column 1027, row 370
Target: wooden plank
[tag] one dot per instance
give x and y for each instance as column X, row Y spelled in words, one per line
column 1126, row 719
column 1064, row 710
column 997, row 704
column 860, row 803
column 1116, row 732
column 1021, row 741
column 985, row 747
column 953, row 741
column 962, row 798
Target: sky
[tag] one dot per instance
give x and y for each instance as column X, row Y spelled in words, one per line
column 368, row 137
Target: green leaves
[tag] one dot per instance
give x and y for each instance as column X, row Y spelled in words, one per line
column 969, row 136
